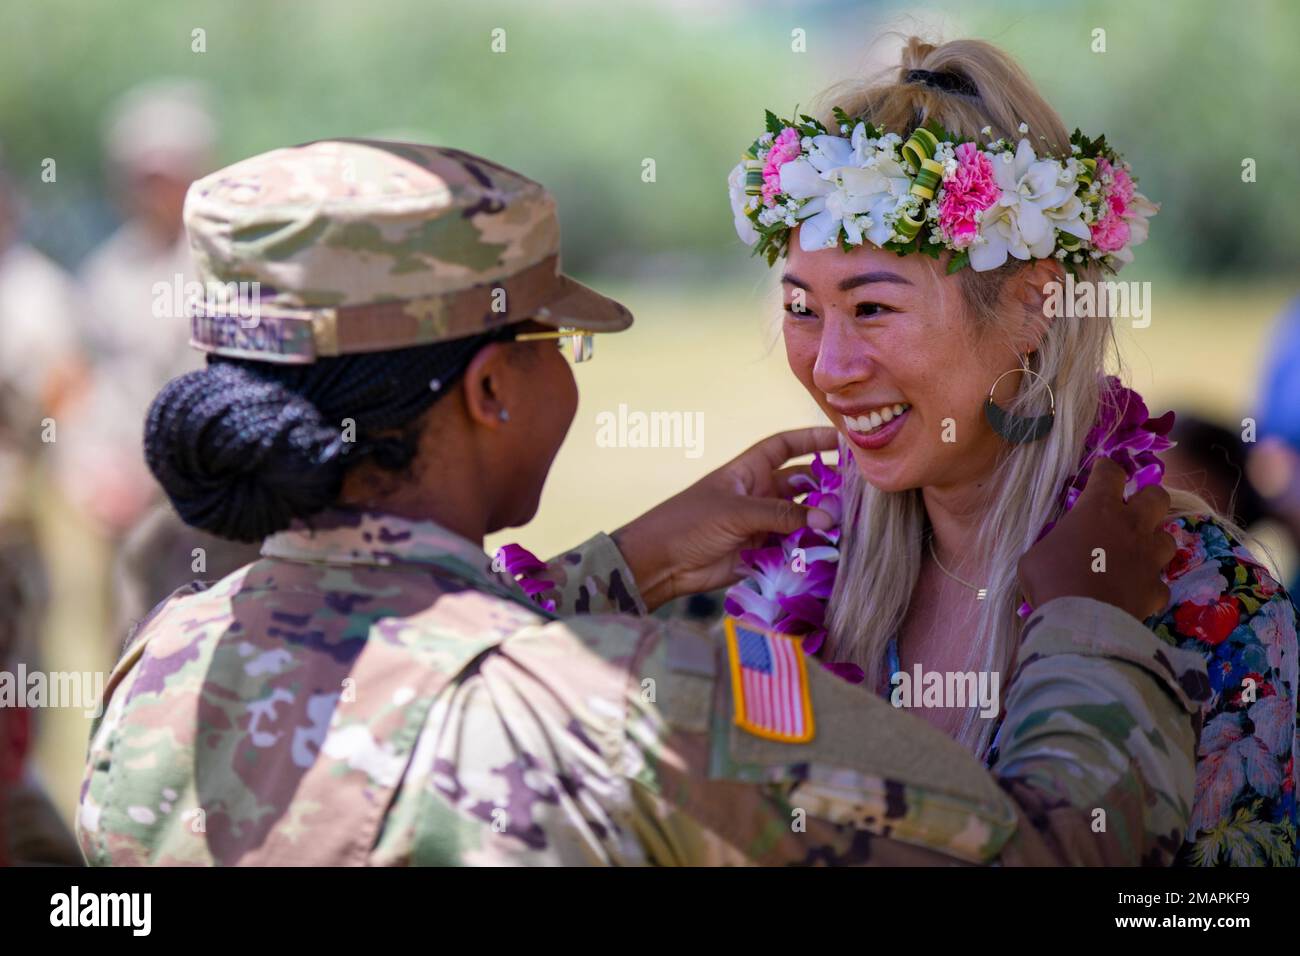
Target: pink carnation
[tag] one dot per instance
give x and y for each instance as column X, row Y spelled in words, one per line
column 1120, row 193
column 968, row 191
column 785, row 148
column 1110, row 233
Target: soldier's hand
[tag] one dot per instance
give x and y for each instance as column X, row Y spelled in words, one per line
column 689, row 544
column 1134, row 548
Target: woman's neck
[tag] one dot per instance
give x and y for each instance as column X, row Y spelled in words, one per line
column 955, row 513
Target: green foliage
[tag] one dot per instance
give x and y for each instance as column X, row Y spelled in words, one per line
column 585, row 92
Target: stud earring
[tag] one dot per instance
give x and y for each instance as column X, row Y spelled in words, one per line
column 503, row 415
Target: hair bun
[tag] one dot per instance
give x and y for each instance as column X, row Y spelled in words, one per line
column 239, row 455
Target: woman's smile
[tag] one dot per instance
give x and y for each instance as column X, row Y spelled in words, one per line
column 876, row 428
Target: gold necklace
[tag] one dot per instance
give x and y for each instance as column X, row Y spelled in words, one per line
column 980, row 593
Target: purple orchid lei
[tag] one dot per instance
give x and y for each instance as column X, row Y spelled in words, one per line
column 787, row 583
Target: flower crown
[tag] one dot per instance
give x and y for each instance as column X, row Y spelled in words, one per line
column 934, row 192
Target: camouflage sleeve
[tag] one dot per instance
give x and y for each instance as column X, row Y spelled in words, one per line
column 875, row 785
column 592, row 578
column 611, row 739
column 1098, row 744
column 608, row 740
column 1097, row 765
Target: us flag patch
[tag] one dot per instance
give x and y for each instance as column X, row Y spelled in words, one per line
column 769, row 683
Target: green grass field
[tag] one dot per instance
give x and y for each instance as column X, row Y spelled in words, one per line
column 713, row 352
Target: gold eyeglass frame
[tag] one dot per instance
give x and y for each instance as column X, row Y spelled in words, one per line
column 583, row 341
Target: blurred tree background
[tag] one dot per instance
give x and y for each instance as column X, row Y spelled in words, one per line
column 585, row 91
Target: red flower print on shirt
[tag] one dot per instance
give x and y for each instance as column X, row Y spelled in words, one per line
column 1210, row 623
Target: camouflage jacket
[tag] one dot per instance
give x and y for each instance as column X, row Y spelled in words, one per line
column 371, row 692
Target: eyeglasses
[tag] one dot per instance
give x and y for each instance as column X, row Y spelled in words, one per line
column 577, row 344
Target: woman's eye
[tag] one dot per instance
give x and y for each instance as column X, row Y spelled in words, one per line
column 799, row 313
column 869, row 310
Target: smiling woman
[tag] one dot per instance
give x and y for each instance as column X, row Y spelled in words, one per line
column 970, row 413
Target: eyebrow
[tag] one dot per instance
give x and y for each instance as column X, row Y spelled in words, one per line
column 853, row 282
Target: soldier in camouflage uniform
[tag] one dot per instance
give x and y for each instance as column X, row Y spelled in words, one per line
column 372, row 691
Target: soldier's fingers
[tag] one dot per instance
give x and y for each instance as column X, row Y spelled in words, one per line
column 784, row 480
column 778, row 515
column 1106, row 481
column 779, row 448
column 1165, row 548
column 1160, row 598
column 1150, row 506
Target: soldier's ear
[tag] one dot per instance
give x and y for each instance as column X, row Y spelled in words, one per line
column 482, row 386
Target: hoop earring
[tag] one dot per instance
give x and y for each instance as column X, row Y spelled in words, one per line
column 1020, row 429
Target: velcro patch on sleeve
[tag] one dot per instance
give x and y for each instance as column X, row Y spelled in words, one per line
column 769, row 680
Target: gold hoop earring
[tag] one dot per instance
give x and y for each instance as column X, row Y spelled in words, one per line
column 1020, row 429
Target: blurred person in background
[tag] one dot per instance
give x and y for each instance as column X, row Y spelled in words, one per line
column 37, row 365
column 31, row 830
column 38, row 368
column 1208, row 459
column 1273, row 465
column 160, row 137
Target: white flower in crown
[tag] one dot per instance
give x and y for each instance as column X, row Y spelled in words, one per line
column 841, row 180
column 1038, row 198
column 740, row 203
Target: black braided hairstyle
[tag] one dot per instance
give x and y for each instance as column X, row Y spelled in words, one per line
column 242, row 448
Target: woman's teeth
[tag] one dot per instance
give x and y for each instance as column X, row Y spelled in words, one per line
column 875, row 418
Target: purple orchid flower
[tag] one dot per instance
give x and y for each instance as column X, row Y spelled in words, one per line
column 526, row 568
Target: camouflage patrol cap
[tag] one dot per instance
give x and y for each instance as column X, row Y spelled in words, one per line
column 369, row 245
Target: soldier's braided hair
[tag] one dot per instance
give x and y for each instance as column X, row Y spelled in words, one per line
column 242, row 448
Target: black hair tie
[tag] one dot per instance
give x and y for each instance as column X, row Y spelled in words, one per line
column 948, row 82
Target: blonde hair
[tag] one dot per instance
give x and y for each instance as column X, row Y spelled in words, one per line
column 884, row 532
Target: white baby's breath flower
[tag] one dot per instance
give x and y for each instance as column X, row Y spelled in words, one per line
column 987, row 131
column 1077, row 258
column 1023, row 127
column 1074, row 149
